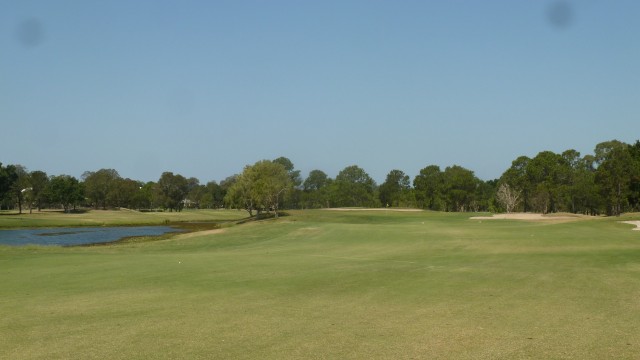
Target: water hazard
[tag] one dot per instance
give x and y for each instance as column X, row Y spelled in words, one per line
column 78, row 235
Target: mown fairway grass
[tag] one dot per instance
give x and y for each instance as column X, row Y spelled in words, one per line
column 334, row 285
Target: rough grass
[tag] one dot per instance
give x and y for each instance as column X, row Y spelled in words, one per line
column 329, row 285
column 113, row 218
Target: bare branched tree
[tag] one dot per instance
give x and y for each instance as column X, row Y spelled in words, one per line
column 508, row 197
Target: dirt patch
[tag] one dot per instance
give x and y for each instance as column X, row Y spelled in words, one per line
column 199, row 233
column 530, row 217
column 636, row 223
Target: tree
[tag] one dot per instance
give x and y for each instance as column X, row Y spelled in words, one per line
column 572, row 165
column 634, row 183
column 65, row 190
column 100, row 187
column 260, row 187
column 8, row 177
column 124, row 193
column 143, row 199
column 396, row 189
column 429, row 186
column 354, row 187
column 226, row 184
column 194, row 193
column 21, row 186
column 548, row 174
column 293, row 196
column 316, row 190
column 172, row 190
column 271, row 183
column 579, row 193
column 517, row 179
column 507, row 197
column 485, row 196
column 239, row 194
column 316, row 180
column 585, row 196
column 195, row 196
column 613, row 175
column 39, row 183
column 294, row 175
column 212, row 196
column 460, row 188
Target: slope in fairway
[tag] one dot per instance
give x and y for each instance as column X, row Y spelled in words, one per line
column 322, row 284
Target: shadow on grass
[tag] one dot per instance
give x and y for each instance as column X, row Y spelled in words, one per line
column 47, row 211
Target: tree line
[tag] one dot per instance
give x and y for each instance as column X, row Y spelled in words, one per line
column 605, row 182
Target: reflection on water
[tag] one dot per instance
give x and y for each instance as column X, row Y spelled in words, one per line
column 78, row 236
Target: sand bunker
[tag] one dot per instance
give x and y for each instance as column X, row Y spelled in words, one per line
column 529, row 216
column 636, row 223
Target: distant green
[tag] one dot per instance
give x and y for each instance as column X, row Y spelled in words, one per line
column 332, row 285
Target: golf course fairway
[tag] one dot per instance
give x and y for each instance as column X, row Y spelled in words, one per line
column 321, row 284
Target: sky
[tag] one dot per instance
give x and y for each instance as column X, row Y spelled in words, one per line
column 203, row 88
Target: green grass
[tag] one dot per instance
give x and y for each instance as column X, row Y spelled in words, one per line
column 333, row 285
column 113, row 218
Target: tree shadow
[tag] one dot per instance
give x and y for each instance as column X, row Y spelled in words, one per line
column 55, row 211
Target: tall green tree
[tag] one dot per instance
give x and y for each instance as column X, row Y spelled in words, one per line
column 460, row 188
column 316, row 190
column 195, row 196
column 293, row 196
column 124, row 193
column 354, row 187
column 634, row 183
column 579, row 193
column 21, row 187
column 8, row 177
column 294, row 175
column 226, row 184
column 316, row 180
column 212, row 196
column 572, row 164
column 239, row 194
column 272, row 182
column 396, row 190
column 39, row 183
column 144, row 197
column 549, row 175
column 260, row 187
column 429, row 187
column 613, row 175
column 65, row 190
column 585, row 195
column 101, row 187
column 485, row 198
column 172, row 190
column 518, row 180
column 195, row 191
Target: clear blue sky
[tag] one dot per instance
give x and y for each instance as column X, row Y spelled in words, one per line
column 202, row 88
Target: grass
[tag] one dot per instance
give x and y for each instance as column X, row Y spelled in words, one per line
column 10, row 220
column 334, row 285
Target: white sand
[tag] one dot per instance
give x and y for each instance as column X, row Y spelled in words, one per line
column 527, row 216
column 636, row 223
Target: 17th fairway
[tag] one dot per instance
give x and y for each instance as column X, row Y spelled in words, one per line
column 333, row 285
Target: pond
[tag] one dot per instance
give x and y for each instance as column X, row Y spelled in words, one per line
column 78, row 235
